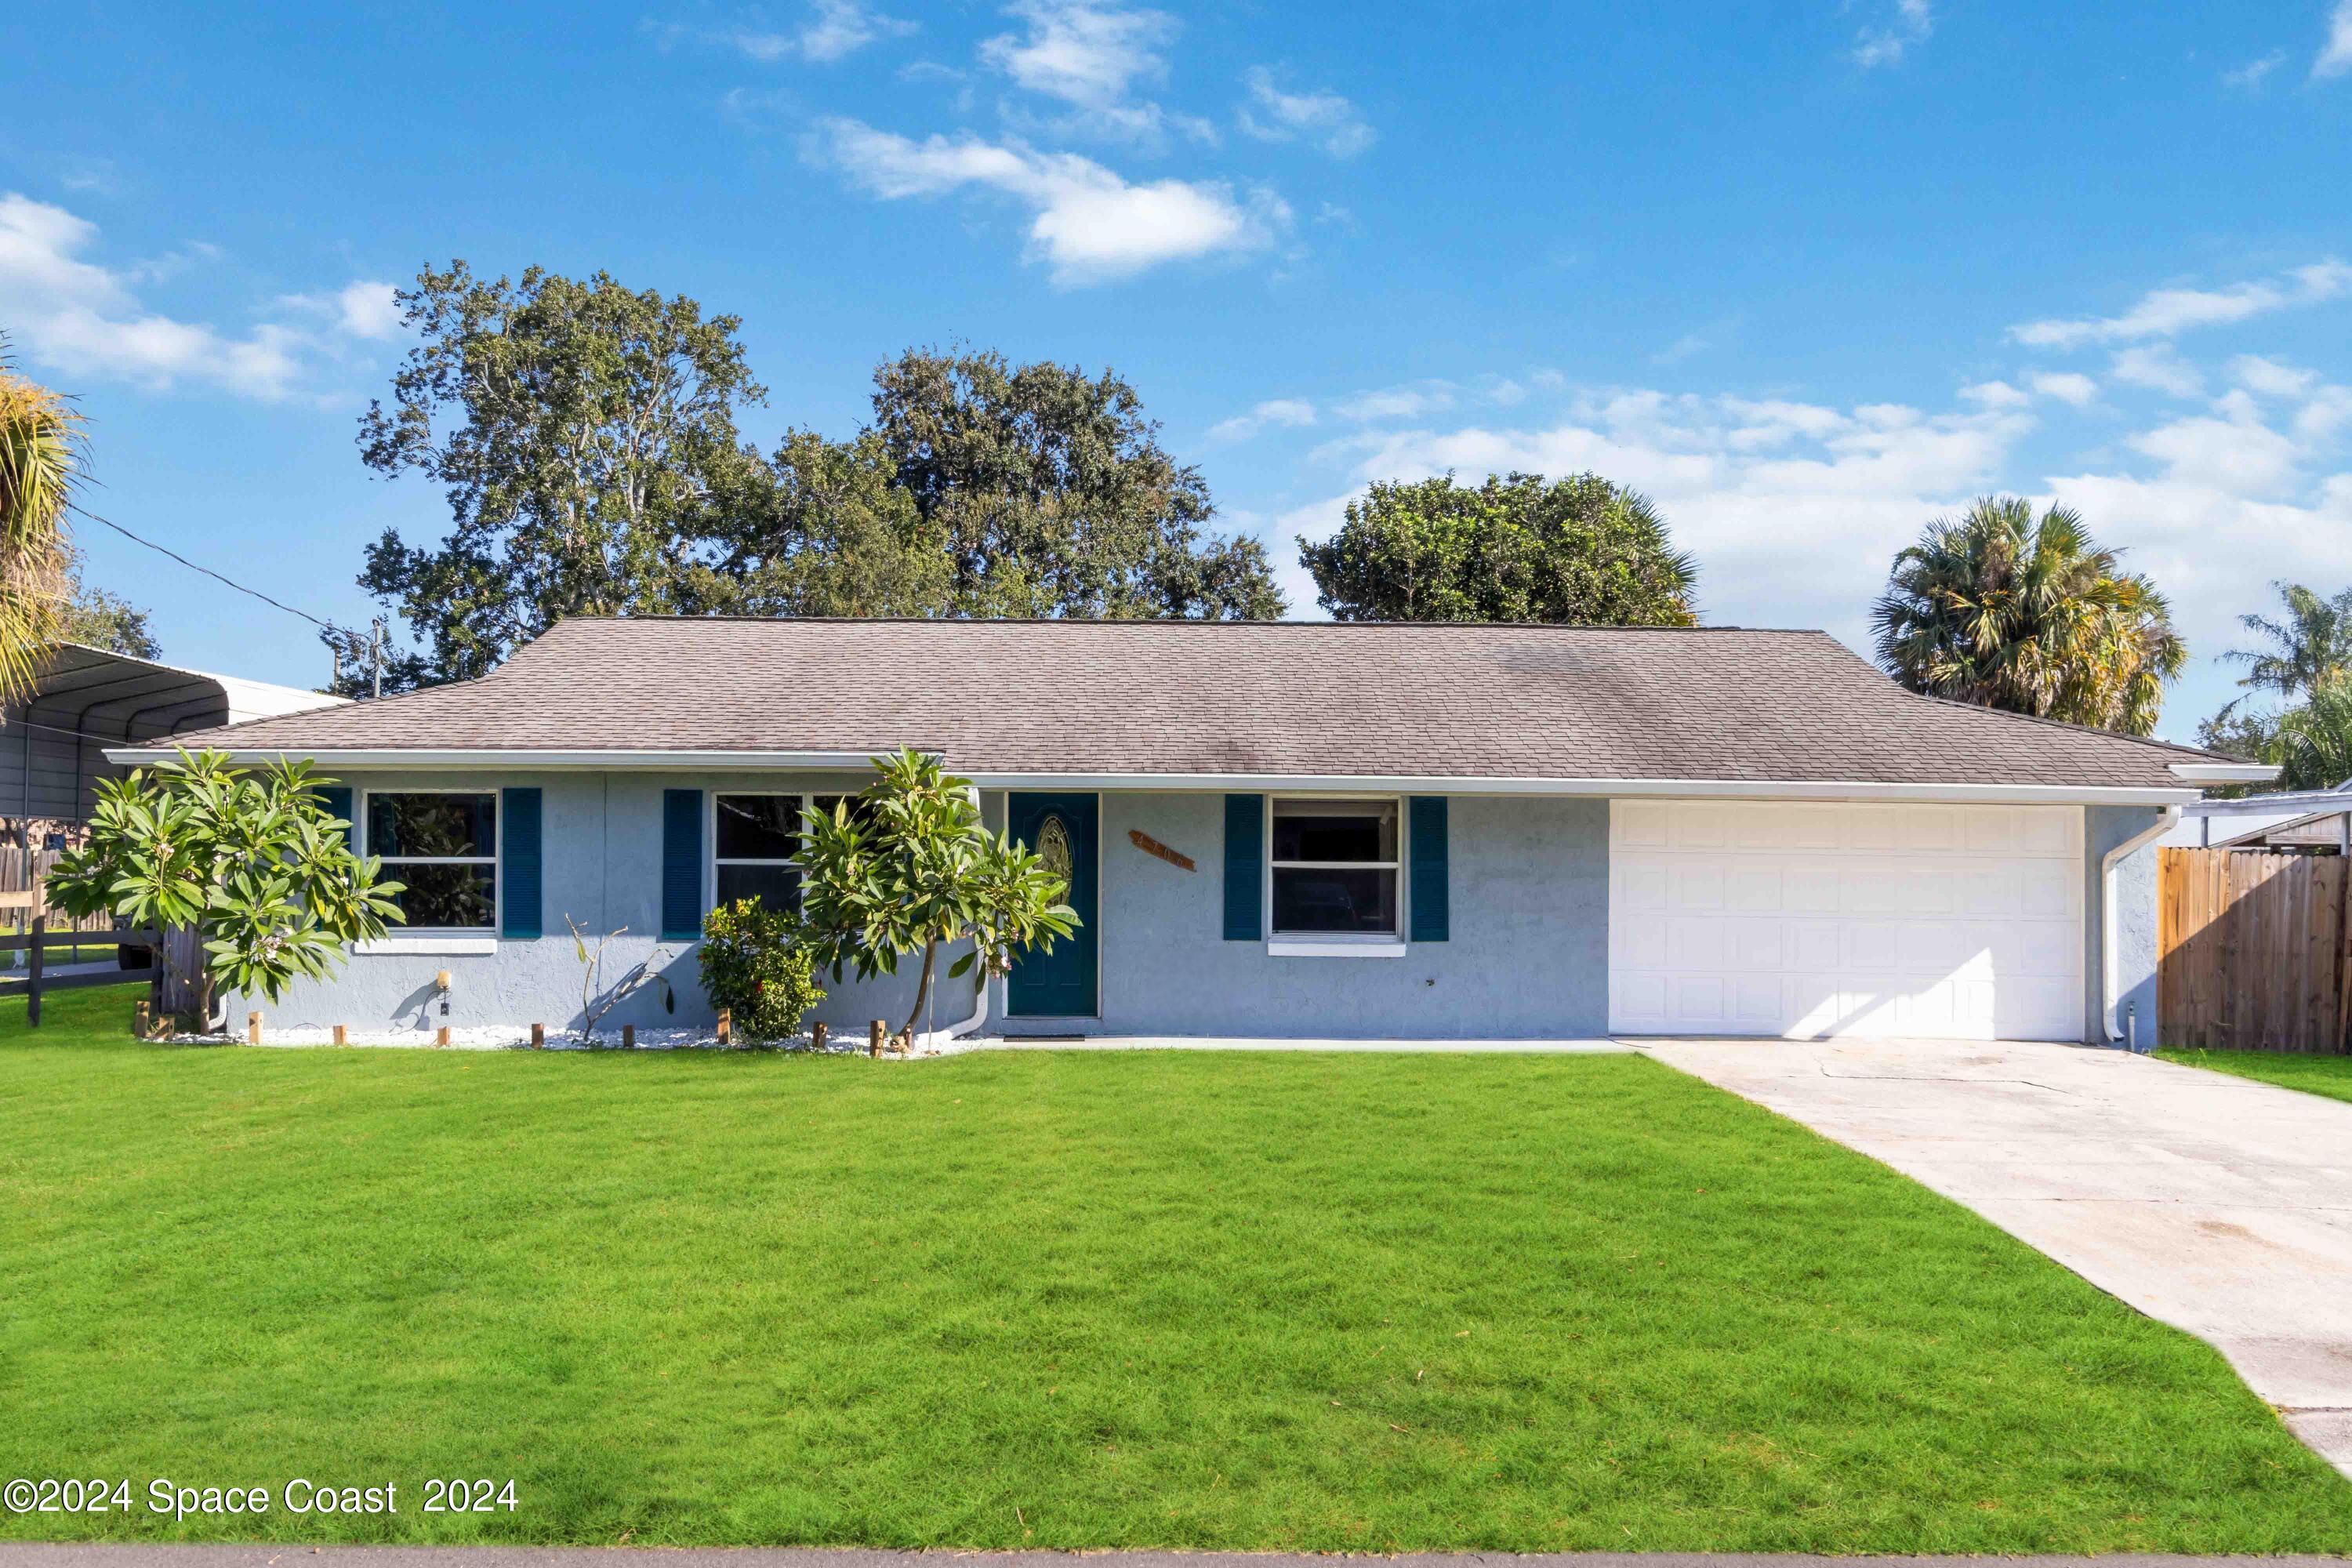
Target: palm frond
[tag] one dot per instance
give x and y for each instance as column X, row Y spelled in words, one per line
column 43, row 455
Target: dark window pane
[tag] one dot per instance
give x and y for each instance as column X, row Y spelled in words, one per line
column 758, row 826
column 1334, row 900
column 446, row 898
column 776, row 887
column 1335, row 830
column 432, row 824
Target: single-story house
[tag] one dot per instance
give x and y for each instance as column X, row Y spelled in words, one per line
column 1280, row 828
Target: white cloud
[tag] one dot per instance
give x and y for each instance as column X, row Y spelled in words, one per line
column 83, row 318
column 1286, row 413
column 1886, row 43
column 2066, row 386
column 362, row 309
column 1324, row 119
column 834, row 29
column 1092, row 57
column 1681, row 348
column 1088, row 223
column 2166, row 313
column 2336, row 54
column 2271, row 378
column 1996, row 394
column 1396, row 402
column 2158, row 368
column 2248, row 77
column 2238, row 455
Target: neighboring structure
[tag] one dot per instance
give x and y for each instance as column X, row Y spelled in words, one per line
column 1408, row 831
column 2294, row 821
column 85, row 699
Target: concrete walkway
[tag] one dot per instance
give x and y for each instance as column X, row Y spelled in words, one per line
column 2215, row 1204
column 1044, row 1042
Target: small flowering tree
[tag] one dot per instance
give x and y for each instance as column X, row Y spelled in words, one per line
column 909, row 867
column 252, row 862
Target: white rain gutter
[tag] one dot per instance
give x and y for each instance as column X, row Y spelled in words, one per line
column 2165, row 822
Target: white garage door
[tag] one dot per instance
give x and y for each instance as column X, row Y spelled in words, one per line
column 1817, row 919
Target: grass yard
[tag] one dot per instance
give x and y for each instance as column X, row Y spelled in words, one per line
column 1320, row 1302
column 2329, row 1076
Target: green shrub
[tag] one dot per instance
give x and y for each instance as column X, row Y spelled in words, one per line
column 755, row 964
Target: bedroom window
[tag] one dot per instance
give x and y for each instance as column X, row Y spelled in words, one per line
column 443, row 846
column 1334, row 867
column 757, row 848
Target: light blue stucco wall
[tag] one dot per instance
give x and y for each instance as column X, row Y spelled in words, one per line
column 601, row 848
column 1527, row 955
column 2135, row 914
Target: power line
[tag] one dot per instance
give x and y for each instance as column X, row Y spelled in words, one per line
column 323, row 625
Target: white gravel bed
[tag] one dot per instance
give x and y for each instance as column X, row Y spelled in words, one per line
column 517, row 1037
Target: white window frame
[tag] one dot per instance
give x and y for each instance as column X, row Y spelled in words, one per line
column 498, row 879
column 710, row 830
column 1388, row 944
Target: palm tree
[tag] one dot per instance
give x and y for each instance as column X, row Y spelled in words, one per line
column 2313, row 743
column 41, row 459
column 2311, row 647
column 2006, row 610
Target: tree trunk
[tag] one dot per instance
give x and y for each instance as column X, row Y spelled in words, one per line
column 923, row 987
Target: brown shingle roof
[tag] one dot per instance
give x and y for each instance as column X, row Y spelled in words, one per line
column 1259, row 698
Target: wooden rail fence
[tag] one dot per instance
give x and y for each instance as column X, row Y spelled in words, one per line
column 2254, row 952
column 37, row 982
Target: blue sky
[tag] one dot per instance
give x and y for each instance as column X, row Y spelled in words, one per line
column 1810, row 274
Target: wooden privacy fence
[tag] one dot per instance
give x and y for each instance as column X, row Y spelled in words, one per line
column 2254, row 952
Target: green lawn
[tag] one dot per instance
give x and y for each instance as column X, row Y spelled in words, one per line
column 1325, row 1302
column 2330, row 1075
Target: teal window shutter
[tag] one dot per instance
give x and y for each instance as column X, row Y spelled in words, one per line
column 1432, row 907
column 1245, row 867
column 336, row 801
column 519, row 863
column 681, row 889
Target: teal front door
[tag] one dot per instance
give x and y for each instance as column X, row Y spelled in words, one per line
column 1060, row 829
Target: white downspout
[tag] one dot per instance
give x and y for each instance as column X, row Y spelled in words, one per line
column 937, row 1037
column 2164, row 821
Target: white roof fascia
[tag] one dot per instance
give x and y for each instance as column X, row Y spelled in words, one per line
column 1743, row 789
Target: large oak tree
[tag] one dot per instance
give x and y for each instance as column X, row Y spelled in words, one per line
column 580, row 431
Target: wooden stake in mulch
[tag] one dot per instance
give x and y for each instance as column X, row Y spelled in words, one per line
column 539, row 1037
column 441, row 1036
column 343, row 1036
column 141, row 1027
column 253, row 1028
column 875, row 1033
column 817, row 1035
column 727, row 1025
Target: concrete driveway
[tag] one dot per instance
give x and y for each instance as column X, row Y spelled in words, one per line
column 2210, row 1203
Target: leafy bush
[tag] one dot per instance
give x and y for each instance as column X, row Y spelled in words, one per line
column 755, row 964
